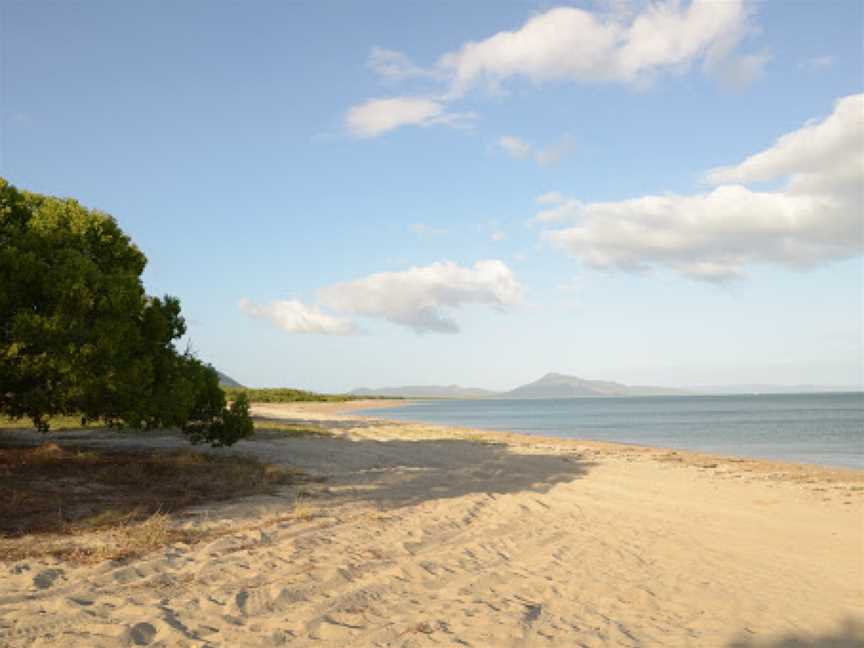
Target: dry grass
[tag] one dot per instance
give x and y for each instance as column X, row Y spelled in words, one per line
column 53, row 495
column 481, row 437
column 281, row 430
column 302, row 508
column 117, row 542
column 56, row 423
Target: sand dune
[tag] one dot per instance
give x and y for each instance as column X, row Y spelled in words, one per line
column 431, row 536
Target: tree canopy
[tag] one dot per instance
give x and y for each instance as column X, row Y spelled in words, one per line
column 79, row 335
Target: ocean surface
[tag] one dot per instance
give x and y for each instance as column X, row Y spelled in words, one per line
column 825, row 429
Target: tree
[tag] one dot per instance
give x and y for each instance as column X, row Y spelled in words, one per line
column 78, row 334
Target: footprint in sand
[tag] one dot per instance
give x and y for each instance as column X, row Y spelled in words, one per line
column 142, row 634
column 45, row 579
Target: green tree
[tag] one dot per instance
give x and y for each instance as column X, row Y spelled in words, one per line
column 78, row 334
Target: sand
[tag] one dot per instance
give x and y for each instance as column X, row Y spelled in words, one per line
column 422, row 535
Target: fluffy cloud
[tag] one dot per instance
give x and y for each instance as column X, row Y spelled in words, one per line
column 813, row 218
column 823, row 156
column 573, row 44
column 422, row 298
column 377, row 116
column 518, row 148
column 570, row 44
column 296, row 317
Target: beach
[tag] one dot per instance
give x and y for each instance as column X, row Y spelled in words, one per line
column 412, row 535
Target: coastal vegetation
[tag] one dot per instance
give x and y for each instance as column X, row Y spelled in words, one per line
column 287, row 395
column 80, row 337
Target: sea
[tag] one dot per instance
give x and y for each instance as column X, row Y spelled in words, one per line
column 825, row 429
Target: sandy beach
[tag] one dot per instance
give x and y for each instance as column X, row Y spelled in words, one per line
column 416, row 535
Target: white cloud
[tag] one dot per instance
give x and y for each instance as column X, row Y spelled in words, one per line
column 422, row 298
column 296, row 317
column 570, row 44
column 821, row 156
column 378, row 116
column 567, row 43
column 393, row 65
column 514, row 146
column 813, row 218
column 518, row 148
column 564, row 209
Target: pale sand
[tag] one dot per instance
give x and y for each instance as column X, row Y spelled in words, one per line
column 432, row 536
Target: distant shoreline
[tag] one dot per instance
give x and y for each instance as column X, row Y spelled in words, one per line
column 389, row 398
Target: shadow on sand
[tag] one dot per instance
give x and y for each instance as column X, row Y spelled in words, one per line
column 398, row 473
column 387, row 473
column 402, row 472
column 849, row 635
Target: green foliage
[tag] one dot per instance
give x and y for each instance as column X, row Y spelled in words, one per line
column 283, row 395
column 287, row 395
column 78, row 335
column 232, row 425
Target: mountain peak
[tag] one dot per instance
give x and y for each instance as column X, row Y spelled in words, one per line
column 553, row 376
column 227, row 381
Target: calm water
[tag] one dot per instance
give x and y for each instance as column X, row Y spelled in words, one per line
column 823, row 429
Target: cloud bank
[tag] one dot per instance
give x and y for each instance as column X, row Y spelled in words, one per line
column 570, row 44
column 813, row 218
column 420, row 298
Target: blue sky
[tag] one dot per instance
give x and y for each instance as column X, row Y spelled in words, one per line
column 346, row 194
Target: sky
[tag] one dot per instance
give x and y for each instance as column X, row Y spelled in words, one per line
column 386, row 193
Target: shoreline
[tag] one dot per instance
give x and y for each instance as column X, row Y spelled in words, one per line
column 843, row 472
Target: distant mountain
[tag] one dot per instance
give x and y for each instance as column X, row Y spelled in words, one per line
column 555, row 385
column 551, row 385
column 227, row 381
column 427, row 391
